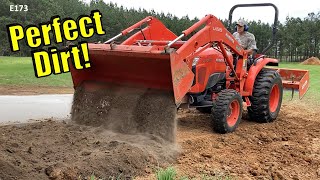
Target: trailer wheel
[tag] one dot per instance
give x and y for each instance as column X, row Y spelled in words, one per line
column 205, row 110
column 266, row 97
column 227, row 111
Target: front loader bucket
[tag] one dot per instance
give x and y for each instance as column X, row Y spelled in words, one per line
column 144, row 66
column 130, row 89
column 296, row 80
column 126, row 67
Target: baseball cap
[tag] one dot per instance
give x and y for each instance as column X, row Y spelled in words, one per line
column 241, row 22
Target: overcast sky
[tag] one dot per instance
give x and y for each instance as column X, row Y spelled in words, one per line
column 220, row 8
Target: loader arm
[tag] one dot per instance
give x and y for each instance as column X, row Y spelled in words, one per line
column 213, row 32
column 154, row 30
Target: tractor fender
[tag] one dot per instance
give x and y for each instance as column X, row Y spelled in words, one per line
column 254, row 71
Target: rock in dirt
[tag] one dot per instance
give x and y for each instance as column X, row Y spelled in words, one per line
column 60, row 172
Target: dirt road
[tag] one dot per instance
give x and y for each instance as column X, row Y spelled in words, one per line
column 286, row 149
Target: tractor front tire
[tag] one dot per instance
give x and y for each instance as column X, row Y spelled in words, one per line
column 227, row 111
column 266, row 97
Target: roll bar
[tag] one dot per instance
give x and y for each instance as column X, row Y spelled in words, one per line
column 275, row 23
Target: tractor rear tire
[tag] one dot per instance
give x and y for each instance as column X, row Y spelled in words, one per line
column 266, row 97
column 227, row 111
column 205, row 110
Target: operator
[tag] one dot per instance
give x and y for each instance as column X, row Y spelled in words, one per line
column 245, row 39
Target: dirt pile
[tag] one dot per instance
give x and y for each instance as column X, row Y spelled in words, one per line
column 311, row 61
column 114, row 131
column 126, row 110
column 288, row 148
column 55, row 150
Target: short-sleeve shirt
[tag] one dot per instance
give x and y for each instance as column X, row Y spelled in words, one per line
column 246, row 40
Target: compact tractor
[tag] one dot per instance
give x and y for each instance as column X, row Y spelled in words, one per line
column 209, row 71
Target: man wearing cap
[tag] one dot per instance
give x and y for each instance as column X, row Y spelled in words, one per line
column 245, row 39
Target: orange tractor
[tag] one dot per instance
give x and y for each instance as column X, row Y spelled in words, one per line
column 210, row 71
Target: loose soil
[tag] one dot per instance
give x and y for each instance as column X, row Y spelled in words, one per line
column 114, row 131
column 311, row 61
column 128, row 110
column 288, row 148
column 56, row 150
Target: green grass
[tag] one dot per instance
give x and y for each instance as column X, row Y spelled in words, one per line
column 313, row 93
column 166, row 174
column 19, row 71
column 170, row 174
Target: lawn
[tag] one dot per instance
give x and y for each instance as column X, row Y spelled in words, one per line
column 19, row 71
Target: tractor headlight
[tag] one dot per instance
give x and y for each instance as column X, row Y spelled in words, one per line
column 195, row 61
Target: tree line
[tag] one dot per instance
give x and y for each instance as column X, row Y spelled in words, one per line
column 297, row 38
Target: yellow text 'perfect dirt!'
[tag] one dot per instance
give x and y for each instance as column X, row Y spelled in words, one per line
column 53, row 60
